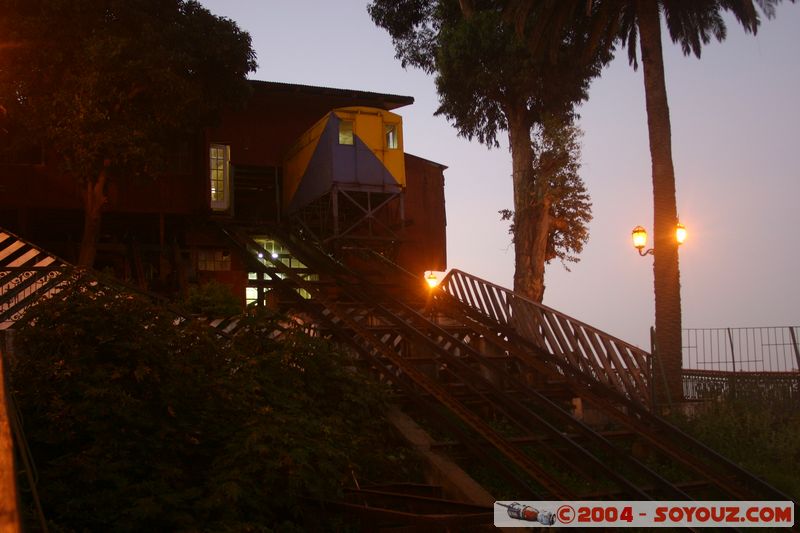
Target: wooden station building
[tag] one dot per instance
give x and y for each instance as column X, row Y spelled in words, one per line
column 328, row 163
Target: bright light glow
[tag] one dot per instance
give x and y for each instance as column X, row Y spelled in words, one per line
column 431, row 280
column 260, row 255
column 639, row 236
column 274, row 255
column 680, row 233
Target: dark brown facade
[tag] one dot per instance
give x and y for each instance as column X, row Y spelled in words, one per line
column 160, row 233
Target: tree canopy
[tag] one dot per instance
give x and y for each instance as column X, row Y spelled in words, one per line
column 111, row 85
column 483, row 68
column 489, row 83
column 557, row 160
column 631, row 22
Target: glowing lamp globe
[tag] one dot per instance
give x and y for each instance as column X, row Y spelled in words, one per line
column 680, row 233
column 431, row 280
column 639, row 236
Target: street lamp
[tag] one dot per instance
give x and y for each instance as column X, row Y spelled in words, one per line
column 431, row 280
column 680, row 233
column 639, row 237
column 666, row 337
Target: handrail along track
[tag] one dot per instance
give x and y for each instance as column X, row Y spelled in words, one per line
column 542, row 341
column 475, row 360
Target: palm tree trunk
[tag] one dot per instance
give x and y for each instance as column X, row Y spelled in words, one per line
column 666, row 274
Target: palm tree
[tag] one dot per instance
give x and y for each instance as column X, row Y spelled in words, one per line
column 691, row 24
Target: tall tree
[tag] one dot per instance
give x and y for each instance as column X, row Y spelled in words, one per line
column 556, row 165
column 110, row 84
column 691, row 24
column 488, row 83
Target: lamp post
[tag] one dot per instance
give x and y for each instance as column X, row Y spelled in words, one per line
column 667, row 352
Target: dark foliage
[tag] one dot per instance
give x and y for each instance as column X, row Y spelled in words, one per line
column 760, row 434
column 489, row 84
column 483, row 69
column 118, row 80
column 557, row 160
column 136, row 424
column 212, row 300
column 113, row 87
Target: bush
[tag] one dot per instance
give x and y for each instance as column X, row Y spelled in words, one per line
column 138, row 425
column 212, row 299
column 759, row 434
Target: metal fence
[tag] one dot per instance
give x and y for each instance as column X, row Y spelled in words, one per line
column 711, row 384
column 749, row 362
column 768, row 349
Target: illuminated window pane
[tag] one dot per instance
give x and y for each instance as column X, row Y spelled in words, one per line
column 219, row 165
column 346, row 132
column 390, row 131
column 251, row 295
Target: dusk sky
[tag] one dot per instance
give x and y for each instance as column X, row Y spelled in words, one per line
column 735, row 119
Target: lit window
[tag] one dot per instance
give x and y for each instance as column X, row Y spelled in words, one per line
column 390, row 132
column 213, row 260
column 219, row 171
column 277, row 251
column 251, row 296
column 346, row 132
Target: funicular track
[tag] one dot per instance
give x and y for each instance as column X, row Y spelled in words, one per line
column 491, row 370
column 29, row 274
column 481, row 379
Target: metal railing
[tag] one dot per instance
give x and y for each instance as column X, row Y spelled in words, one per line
column 760, row 362
column 596, row 353
column 20, row 288
column 767, row 349
column 712, row 384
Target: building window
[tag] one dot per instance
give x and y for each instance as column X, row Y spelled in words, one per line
column 251, row 296
column 272, row 250
column 390, row 132
column 346, row 132
column 213, row 260
column 219, row 171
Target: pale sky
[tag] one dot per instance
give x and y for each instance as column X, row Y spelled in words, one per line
column 735, row 120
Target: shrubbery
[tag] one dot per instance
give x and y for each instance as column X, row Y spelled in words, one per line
column 759, row 434
column 136, row 424
column 212, row 299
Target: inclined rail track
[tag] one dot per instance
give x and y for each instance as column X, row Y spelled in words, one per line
column 592, row 458
column 390, row 333
column 369, row 343
column 421, row 402
column 679, row 446
column 517, row 411
column 674, row 443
